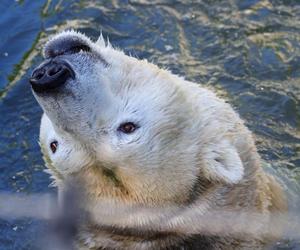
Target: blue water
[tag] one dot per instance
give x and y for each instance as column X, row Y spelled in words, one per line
column 247, row 50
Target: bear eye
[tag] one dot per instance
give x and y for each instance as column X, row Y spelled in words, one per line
column 127, row 127
column 53, row 146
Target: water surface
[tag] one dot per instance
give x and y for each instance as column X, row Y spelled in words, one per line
column 247, row 50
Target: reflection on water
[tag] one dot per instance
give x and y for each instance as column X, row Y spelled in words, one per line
column 247, row 50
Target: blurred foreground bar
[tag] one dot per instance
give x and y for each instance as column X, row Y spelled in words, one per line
column 65, row 219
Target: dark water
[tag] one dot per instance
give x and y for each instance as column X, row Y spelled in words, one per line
column 247, row 50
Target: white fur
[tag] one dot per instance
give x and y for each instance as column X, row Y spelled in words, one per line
column 185, row 131
column 69, row 156
column 133, row 90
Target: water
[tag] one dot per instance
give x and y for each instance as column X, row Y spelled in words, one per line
column 247, row 50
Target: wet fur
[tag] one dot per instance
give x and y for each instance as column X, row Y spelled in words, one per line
column 197, row 153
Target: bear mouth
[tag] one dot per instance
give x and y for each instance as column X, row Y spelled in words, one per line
column 135, row 234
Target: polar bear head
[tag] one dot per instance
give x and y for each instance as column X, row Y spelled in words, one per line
column 130, row 129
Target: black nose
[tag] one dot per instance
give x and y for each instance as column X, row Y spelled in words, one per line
column 50, row 76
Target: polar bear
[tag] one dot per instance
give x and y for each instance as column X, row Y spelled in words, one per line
column 139, row 138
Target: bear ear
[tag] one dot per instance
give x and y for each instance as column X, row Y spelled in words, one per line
column 222, row 163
